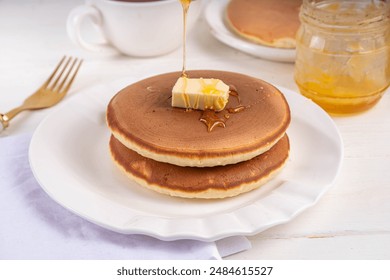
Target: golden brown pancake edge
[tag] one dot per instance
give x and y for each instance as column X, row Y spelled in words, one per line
column 195, row 182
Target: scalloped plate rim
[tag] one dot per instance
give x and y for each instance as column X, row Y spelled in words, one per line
column 159, row 226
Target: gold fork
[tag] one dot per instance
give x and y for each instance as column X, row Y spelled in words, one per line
column 51, row 92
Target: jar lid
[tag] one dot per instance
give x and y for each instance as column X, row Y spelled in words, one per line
column 346, row 13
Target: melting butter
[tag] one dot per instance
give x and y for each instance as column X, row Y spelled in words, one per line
column 200, row 94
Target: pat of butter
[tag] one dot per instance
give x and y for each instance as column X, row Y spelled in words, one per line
column 200, row 94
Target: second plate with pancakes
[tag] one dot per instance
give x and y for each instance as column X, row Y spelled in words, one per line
column 270, row 23
column 171, row 151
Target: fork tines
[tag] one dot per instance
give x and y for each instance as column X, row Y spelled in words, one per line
column 63, row 75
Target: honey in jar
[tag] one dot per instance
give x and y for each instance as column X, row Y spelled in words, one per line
column 343, row 53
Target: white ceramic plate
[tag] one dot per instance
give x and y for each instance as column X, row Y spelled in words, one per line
column 69, row 157
column 215, row 17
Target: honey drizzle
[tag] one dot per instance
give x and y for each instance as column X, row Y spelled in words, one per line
column 233, row 92
column 237, row 109
column 211, row 118
column 186, row 5
column 234, row 110
column 185, row 96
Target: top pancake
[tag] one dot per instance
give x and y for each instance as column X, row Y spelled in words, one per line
column 271, row 23
column 141, row 117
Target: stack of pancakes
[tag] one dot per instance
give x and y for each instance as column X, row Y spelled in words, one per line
column 170, row 150
column 271, row 23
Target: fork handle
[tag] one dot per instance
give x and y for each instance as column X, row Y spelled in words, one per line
column 4, row 121
column 5, row 118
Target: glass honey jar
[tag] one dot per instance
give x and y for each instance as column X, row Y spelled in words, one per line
column 343, row 53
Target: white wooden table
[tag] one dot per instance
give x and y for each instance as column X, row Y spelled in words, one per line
column 352, row 220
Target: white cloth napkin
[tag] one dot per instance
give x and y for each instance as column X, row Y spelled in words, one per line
column 33, row 226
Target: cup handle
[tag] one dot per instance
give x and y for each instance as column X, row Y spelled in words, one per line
column 73, row 27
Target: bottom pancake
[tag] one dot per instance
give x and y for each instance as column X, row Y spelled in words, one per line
column 201, row 182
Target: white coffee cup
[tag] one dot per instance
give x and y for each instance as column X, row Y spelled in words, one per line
column 133, row 28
